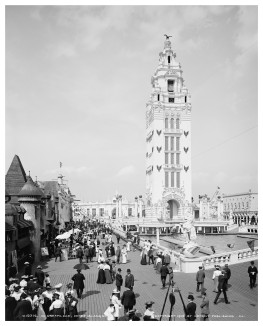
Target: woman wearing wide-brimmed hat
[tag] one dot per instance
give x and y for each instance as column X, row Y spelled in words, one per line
column 117, row 303
column 149, row 313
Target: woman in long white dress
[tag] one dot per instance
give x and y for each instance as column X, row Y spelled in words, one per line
column 117, row 303
column 100, row 256
column 129, row 245
column 124, row 255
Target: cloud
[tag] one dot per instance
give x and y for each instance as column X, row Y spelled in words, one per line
column 63, row 50
column 127, row 170
column 220, row 178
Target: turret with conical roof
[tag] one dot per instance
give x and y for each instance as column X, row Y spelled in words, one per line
column 30, row 192
column 30, row 198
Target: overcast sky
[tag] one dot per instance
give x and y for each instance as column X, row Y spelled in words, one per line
column 78, row 79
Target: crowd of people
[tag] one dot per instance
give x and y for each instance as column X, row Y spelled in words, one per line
column 33, row 296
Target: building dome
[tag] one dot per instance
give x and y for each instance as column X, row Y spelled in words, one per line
column 30, row 189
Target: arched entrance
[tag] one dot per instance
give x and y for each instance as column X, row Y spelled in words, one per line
column 172, row 208
column 113, row 213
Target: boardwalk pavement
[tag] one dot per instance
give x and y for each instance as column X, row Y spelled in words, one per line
column 96, row 297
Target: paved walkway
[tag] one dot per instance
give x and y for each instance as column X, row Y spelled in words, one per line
column 96, row 297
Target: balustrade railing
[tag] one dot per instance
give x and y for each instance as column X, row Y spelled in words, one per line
column 233, row 257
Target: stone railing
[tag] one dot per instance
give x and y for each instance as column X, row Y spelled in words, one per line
column 232, row 257
column 190, row 265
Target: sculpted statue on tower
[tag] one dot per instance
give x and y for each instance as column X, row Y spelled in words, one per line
column 190, row 248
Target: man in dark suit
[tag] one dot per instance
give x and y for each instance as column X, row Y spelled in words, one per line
column 119, row 279
column 78, row 283
column 10, row 304
column 222, row 286
column 164, row 271
column 23, row 310
column 150, row 255
column 28, row 268
column 200, row 278
column 129, row 279
column 39, row 274
column 118, row 254
column 252, row 272
column 190, row 308
column 228, row 274
column 128, row 300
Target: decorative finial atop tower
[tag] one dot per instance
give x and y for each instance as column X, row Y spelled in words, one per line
column 167, row 36
column 167, row 43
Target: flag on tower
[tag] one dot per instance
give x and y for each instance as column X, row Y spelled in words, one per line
column 60, row 164
column 251, row 244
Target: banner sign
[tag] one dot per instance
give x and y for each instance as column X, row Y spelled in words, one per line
column 44, row 251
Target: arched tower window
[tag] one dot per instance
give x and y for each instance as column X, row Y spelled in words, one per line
column 177, row 123
column 172, row 123
column 166, row 123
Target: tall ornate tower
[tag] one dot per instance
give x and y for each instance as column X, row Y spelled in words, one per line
column 168, row 141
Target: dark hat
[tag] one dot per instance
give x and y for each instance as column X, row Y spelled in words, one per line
column 149, row 303
column 128, row 270
column 34, row 278
column 48, row 287
column 131, row 312
column 190, row 296
column 31, row 276
column 39, row 267
column 69, row 294
column 56, row 295
column 23, row 295
column 17, row 287
column 119, row 269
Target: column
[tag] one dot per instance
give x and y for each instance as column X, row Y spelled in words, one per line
column 140, row 206
column 136, row 207
column 117, row 207
column 158, row 236
column 120, row 206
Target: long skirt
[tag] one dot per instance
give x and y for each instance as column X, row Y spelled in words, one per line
column 112, row 251
column 108, row 276
column 143, row 260
column 158, row 267
column 216, row 284
column 124, row 258
column 101, row 277
column 57, row 313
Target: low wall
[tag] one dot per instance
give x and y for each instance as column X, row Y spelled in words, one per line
column 190, row 265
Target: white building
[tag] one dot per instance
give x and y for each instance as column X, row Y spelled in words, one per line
column 117, row 207
column 241, row 207
column 168, row 141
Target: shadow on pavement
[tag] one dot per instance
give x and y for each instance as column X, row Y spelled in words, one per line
column 89, row 293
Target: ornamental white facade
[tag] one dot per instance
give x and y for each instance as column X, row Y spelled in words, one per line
column 168, row 141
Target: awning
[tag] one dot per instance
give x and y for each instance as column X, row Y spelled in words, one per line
column 9, row 227
column 24, row 224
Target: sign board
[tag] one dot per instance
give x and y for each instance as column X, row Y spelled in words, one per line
column 64, row 255
column 44, row 251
